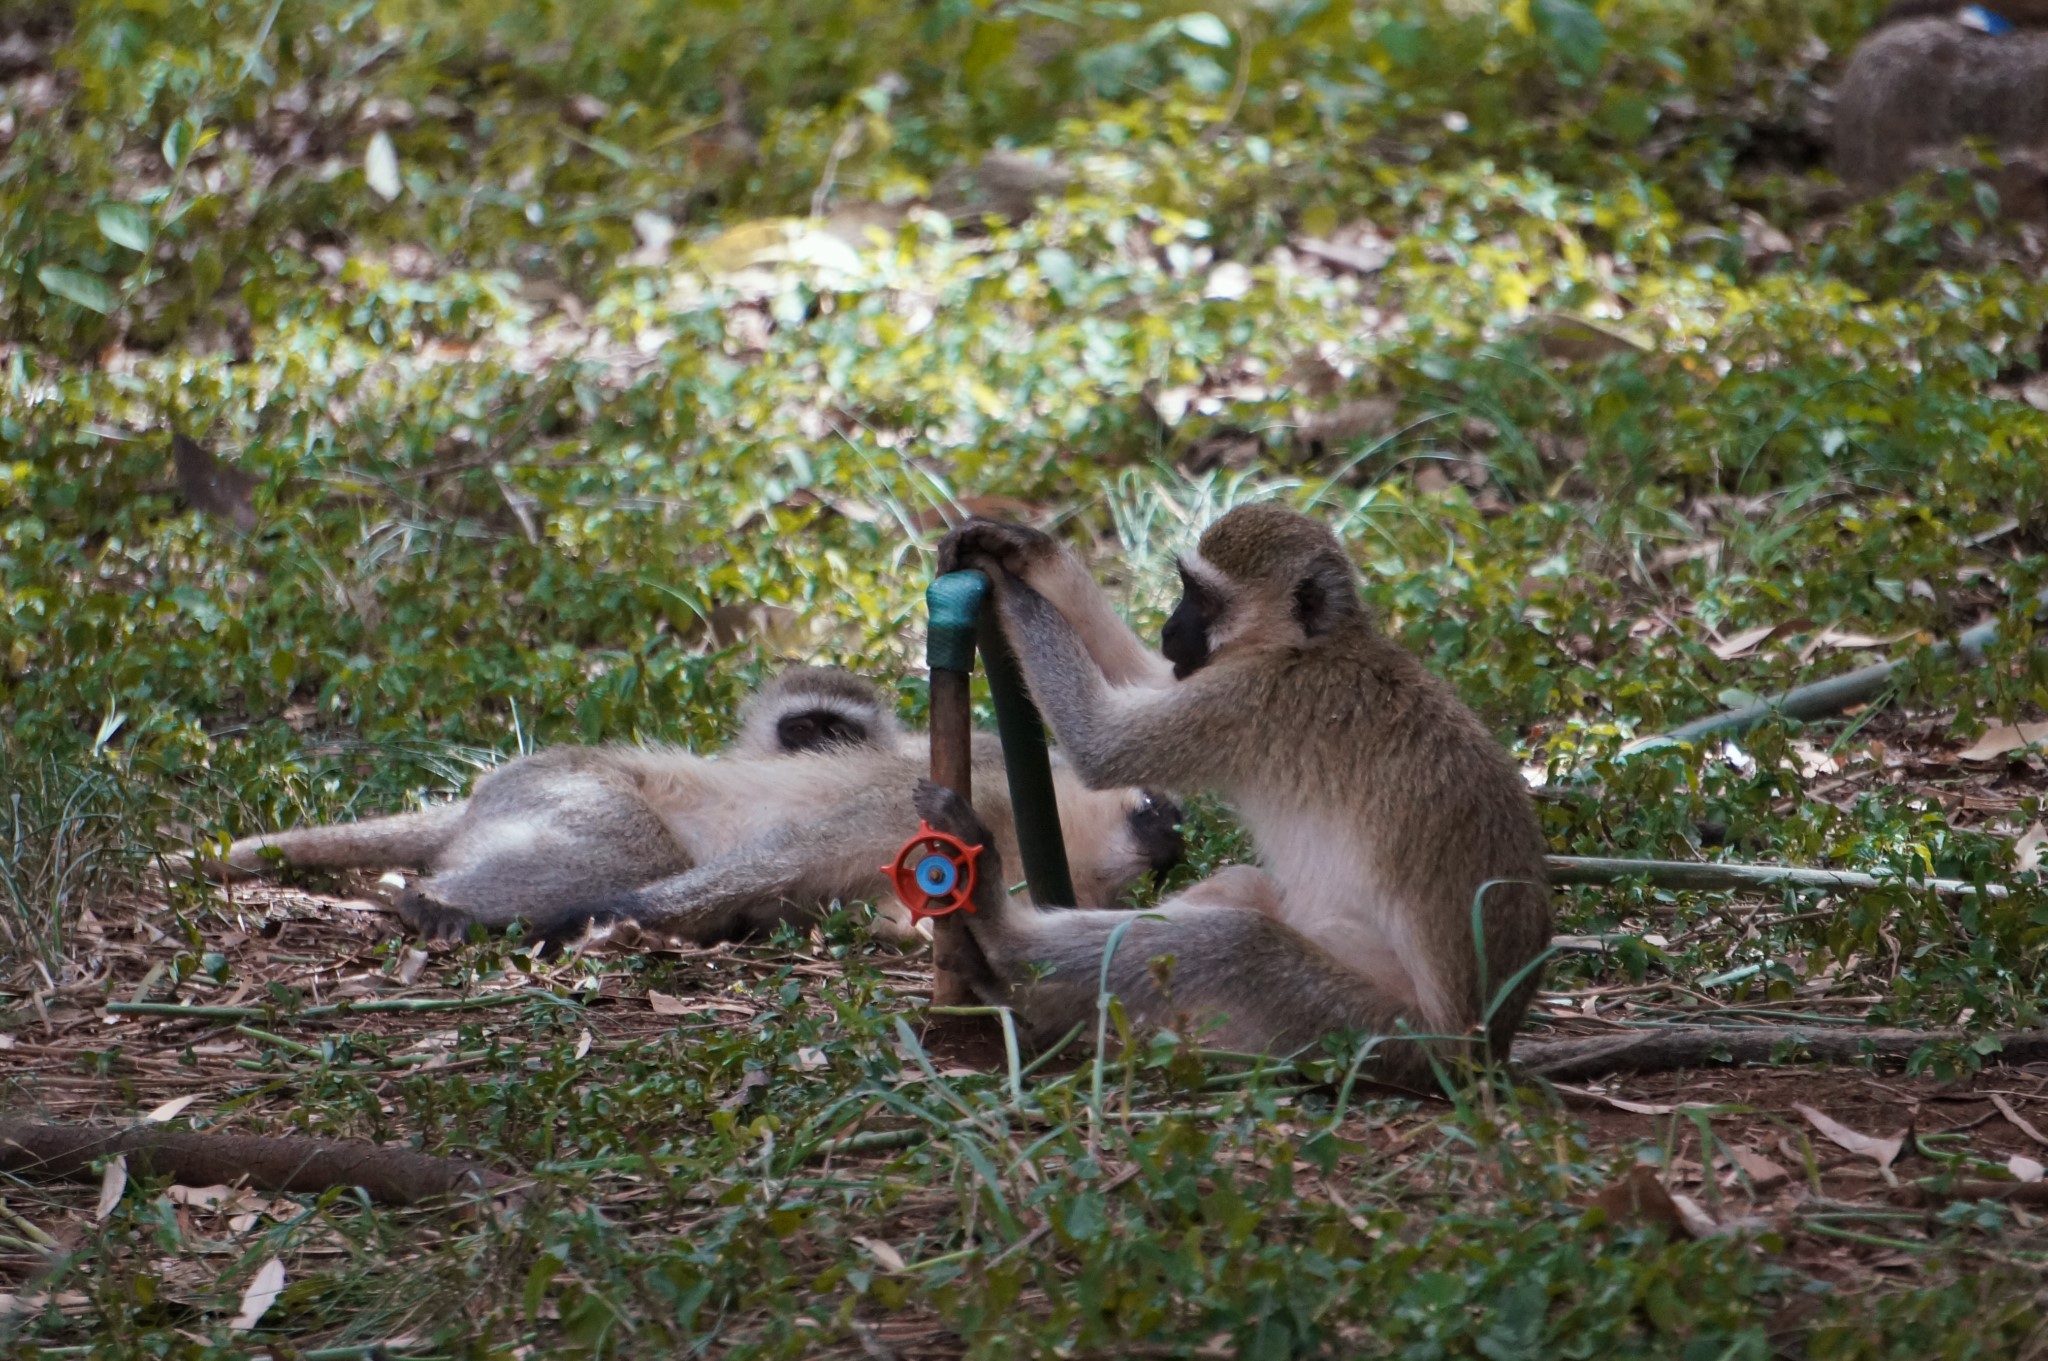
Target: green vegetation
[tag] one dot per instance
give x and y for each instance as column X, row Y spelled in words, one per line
column 535, row 383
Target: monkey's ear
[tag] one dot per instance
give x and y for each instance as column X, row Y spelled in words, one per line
column 1323, row 597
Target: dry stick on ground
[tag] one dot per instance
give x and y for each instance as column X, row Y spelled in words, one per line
column 391, row 1176
column 1664, row 1049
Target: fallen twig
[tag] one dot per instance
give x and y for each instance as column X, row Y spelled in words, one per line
column 2018, row 1121
column 1662, row 1050
column 392, row 1176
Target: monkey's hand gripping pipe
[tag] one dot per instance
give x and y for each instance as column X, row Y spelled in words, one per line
column 934, row 873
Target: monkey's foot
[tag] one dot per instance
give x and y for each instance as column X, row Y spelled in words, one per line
column 564, row 929
column 945, row 811
column 434, row 921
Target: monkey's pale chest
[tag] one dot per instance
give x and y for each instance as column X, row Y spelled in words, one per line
column 1331, row 892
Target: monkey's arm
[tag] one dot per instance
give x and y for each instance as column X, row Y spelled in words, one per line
column 1123, row 658
column 1113, row 734
column 1055, row 572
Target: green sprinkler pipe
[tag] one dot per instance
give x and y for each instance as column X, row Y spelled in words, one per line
column 1821, row 699
column 958, row 622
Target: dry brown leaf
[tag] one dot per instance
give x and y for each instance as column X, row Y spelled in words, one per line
column 2005, row 739
column 665, row 1005
column 1698, row 1223
column 1795, row 1151
column 1361, row 418
column 754, row 1081
column 1367, row 256
column 211, row 486
column 200, row 1197
column 1743, row 643
column 1850, row 639
column 740, row 621
column 1883, row 1152
column 170, row 1109
column 112, row 1183
column 1763, row 1174
column 263, row 1291
column 890, row 1259
column 1641, row 1198
column 1813, row 762
column 1430, row 480
column 1709, row 549
column 585, row 110
column 1637, row 1107
column 2026, row 852
column 1583, row 339
column 68, row 1302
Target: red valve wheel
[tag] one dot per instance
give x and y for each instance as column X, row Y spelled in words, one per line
column 934, row 873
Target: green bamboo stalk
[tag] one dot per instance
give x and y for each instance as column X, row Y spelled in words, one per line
column 1821, row 699
column 1710, row 877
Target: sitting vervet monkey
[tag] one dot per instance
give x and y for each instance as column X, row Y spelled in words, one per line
column 1933, row 76
column 804, row 806
column 1381, row 808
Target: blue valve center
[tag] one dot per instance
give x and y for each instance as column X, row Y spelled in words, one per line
column 937, row 875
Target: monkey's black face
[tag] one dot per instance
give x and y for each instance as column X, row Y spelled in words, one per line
column 1185, row 641
column 817, row 730
column 1155, row 827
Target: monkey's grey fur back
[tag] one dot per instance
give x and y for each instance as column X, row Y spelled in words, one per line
column 1915, row 91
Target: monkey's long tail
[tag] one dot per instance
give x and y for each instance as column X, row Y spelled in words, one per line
column 411, row 840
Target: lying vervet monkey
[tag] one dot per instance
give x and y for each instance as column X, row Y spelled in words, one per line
column 1381, row 807
column 1934, row 75
column 804, row 806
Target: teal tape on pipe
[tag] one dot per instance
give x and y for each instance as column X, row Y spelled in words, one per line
column 953, row 604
